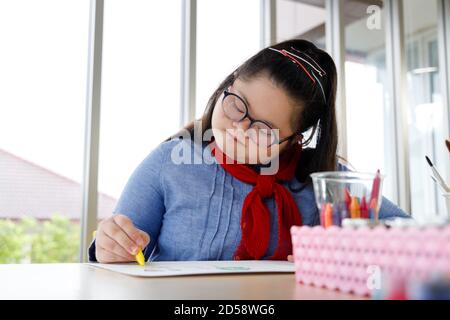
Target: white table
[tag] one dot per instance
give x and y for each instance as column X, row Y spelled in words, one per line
column 82, row 281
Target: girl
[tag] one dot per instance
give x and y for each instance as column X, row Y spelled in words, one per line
column 232, row 204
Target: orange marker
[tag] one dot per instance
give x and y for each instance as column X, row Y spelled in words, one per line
column 328, row 215
column 355, row 211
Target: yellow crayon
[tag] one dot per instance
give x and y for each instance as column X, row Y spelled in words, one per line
column 140, row 259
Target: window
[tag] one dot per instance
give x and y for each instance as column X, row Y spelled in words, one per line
column 425, row 107
column 370, row 118
column 140, row 88
column 301, row 19
column 42, row 113
column 228, row 33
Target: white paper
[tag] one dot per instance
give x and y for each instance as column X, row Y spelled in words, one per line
column 184, row 268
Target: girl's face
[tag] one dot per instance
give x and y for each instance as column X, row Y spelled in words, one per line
column 265, row 102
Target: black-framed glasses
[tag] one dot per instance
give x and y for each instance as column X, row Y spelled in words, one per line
column 261, row 132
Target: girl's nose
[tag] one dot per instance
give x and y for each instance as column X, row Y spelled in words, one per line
column 242, row 129
column 243, row 124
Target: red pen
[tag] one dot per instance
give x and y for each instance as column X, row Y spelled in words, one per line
column 347, row 199
column 375, row 187
column 364, row 209
column 373, row 207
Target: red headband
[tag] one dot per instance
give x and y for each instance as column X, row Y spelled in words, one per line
column 295, row 59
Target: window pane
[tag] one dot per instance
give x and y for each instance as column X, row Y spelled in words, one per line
column 43, row 63
column 370, row 127
column 228, row 32
column 140, row 88
column 301, row 19
column 426, row 110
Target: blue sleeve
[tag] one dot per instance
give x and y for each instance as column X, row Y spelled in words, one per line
column 388, row 210
column 142, row 198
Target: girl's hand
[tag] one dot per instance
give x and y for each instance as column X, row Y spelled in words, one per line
column 118, row 240
column 290, row 258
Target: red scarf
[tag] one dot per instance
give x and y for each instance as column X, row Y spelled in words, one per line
column 255, row 219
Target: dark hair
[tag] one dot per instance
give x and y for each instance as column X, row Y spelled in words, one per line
column 315, row 112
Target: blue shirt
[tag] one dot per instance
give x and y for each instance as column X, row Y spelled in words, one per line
column 192, row 211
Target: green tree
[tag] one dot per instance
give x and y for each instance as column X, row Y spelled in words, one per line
column 28, row 240
column 12, row 236
column 56, row 240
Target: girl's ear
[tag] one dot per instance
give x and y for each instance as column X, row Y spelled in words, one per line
column 298, row 138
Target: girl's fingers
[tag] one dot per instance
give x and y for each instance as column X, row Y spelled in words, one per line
column 290, row 258
column 104, row 256
column 109, row 244
column 128, row 227
column 145, row 237
column 115, row 232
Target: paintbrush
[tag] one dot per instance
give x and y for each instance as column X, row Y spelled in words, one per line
column 436, row 174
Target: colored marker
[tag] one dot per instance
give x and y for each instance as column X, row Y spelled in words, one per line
column 374, row 208
column 344, row 211
column 322, row 215
column 336, row 215
column 355, row 211
column 371, row 214
column 364, row 209
column 375, row 186
column 328, row 215
column 347, row 198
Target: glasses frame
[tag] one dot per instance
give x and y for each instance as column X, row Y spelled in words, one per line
column 226, row 94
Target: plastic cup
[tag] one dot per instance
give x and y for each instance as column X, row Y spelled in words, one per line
column 339, row 188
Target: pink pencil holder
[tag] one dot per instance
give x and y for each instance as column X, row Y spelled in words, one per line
column 344, row 258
